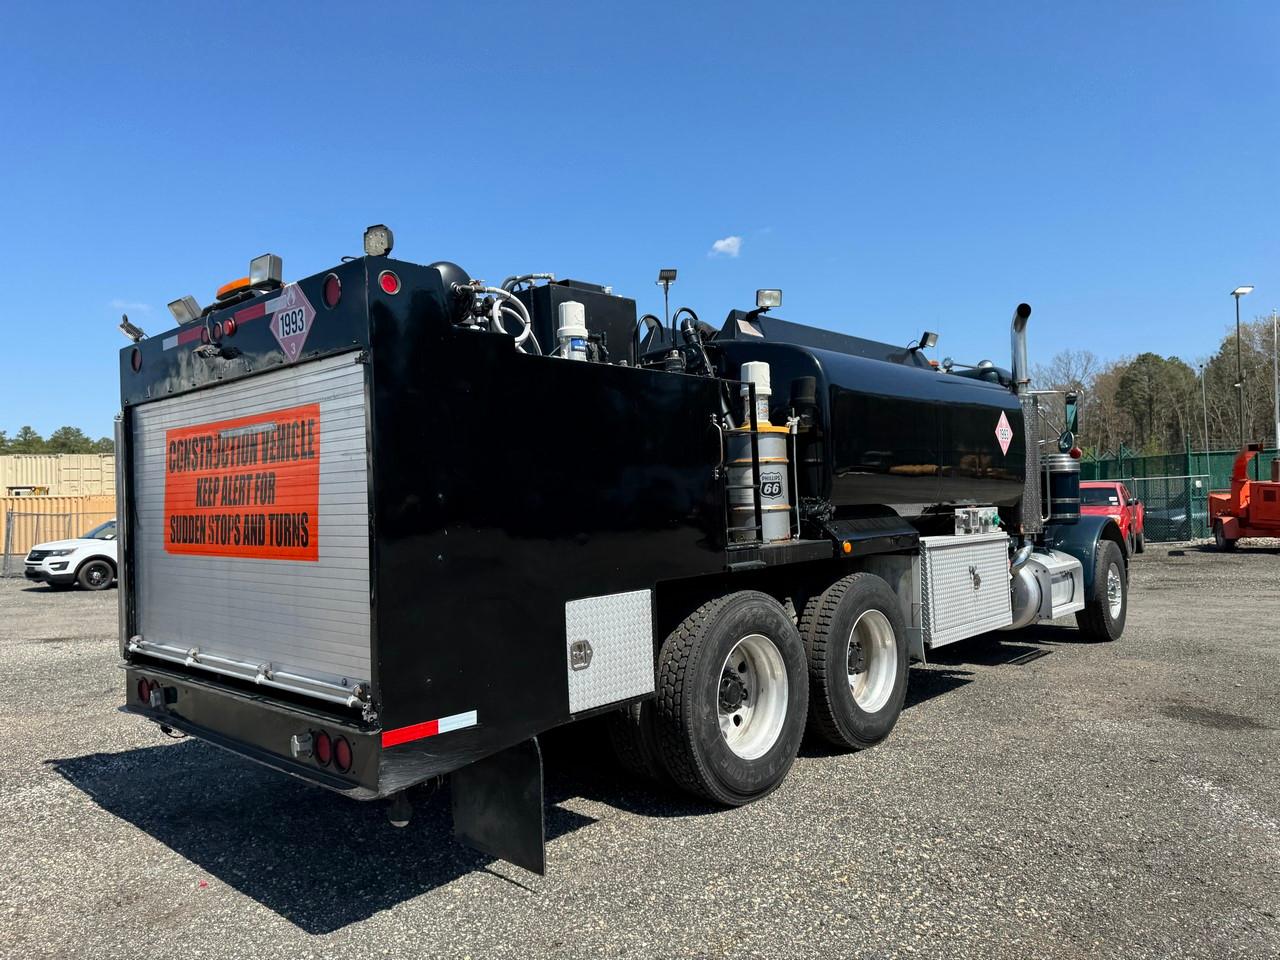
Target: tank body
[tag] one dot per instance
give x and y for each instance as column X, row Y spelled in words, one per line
column 895, row 435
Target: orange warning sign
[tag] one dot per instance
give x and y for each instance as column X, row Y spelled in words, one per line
column 248, row 487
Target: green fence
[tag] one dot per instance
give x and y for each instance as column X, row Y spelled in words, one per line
column 1174, row 487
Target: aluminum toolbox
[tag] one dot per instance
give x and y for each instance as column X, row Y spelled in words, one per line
column 964, row 586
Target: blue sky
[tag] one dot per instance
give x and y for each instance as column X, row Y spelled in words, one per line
column 892, row 166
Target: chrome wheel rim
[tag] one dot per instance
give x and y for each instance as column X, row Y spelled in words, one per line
column 872, row 655
column 1115, row 591
column 752, row 696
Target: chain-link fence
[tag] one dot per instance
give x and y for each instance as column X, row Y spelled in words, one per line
column 1177, row 508
column 22, row 531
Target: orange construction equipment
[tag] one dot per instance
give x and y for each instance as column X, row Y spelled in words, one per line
column 1251, row 508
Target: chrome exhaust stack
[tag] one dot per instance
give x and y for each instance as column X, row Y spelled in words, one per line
column 1018, row 335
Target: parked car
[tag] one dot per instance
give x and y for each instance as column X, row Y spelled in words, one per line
column 1111, row 498
column 89, row 560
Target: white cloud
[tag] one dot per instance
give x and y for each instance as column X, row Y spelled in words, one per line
column 127, row 305
column 729, row 247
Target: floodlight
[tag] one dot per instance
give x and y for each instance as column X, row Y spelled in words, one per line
column 378, row 240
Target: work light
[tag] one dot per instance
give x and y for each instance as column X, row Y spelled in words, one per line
column 378, row 240
column 185, row 310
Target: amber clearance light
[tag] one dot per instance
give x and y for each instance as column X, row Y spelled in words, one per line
column 234, row 287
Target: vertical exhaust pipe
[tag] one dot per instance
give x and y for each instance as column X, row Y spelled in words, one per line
column 1021, row 375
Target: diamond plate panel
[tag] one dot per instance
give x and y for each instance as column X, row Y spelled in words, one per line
column 964, row 585
column 608, row 648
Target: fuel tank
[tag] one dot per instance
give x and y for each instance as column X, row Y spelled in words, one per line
column 881, row 433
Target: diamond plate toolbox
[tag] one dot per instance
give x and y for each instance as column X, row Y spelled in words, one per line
column 964, row 586
column 609, row 648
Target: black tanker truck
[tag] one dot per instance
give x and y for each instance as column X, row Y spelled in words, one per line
column 387, row 523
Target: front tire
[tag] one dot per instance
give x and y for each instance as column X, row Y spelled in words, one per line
column 1141, row 545
column 1108, row 602
column 858, row 661
column 732, row 698
column 96, row 575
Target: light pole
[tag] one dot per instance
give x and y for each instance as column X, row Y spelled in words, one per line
column 666, row 277
column 1204, row 400
column 1275, row 377
column 1239, row 292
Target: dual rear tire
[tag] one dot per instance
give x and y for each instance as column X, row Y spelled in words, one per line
column 738, row 683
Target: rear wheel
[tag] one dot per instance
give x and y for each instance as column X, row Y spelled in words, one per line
column 1108, row 602
column 1141, row 545
column 634, row 742
column 732, row 698
column 1220, row 537
column 858, row 661
column 96, row 575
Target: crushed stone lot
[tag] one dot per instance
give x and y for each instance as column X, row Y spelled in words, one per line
column 1040, row 797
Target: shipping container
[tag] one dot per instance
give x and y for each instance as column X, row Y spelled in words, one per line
column 58, row 474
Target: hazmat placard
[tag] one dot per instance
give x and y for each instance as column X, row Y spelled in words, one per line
column 248, row 487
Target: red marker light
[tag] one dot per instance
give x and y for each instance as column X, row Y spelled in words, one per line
column 341, row 755
column 229, row 327
column 332, row 290
column 389, row 282
column 144, row 690
column 1076, row 453
column 322, row 747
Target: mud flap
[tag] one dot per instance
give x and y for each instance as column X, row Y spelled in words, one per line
column 498, row 806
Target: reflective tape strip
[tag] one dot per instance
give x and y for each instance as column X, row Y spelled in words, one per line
column 420, row 731
column 189, row 335
column 251, row 313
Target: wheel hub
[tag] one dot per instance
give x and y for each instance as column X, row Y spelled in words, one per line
column 733, row 692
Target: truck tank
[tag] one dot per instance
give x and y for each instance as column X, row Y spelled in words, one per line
column 881, row 433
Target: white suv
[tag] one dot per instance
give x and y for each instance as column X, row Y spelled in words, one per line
column 89, row 560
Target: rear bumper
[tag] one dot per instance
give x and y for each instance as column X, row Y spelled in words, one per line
column 257, row 728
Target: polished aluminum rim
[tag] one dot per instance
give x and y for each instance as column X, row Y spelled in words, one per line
column 1115, row 590
column 872, row 655
column 752, row 698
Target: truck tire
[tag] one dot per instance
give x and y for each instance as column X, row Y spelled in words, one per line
column 858, row 661
column 1141, row 545
column 96, row 574
column 1108, row 603
column 1220, row 537
column 733, row 693
column 634, row 742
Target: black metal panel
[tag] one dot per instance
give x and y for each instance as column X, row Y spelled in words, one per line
column 611, row 316
column 505, row 485
column 498, row 808
column 252, row 348
column 868, row 535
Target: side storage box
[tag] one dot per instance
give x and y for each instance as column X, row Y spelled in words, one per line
column 964, row 586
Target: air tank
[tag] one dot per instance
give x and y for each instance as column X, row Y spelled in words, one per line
column 881, row 434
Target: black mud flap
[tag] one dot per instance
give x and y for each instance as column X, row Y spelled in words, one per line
column 497, row 806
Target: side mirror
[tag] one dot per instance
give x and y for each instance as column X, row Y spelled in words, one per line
column 1133, row 501
column 1071, row 406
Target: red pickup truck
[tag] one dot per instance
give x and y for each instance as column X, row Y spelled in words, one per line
column 1111, row 498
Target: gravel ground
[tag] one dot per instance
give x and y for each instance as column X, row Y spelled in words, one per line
column 1040, row 797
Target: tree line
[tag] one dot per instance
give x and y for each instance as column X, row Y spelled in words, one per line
column 1157, row 404
column 62, row 440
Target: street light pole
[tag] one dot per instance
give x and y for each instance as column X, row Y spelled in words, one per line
column 1239, row 292
column 1275, row 377
column 1204, row 399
